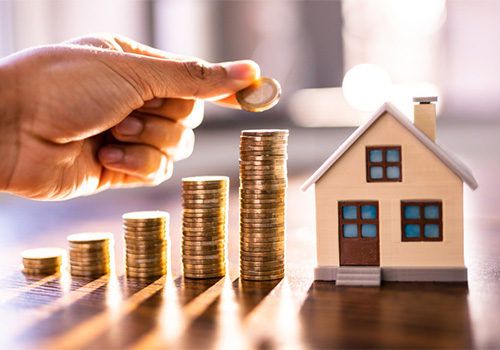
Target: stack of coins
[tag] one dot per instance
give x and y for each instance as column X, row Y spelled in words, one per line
column 263, row 182
column 204, row 226
column 89, row 253
column 42, row 261
column 145, row 234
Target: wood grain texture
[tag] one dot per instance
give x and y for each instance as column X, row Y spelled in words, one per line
column 112, row 312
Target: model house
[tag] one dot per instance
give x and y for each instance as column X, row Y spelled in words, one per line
column 389, row 203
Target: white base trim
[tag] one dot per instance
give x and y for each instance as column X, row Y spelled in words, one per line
column 403, row 274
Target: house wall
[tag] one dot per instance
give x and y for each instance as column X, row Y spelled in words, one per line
column 424, row 177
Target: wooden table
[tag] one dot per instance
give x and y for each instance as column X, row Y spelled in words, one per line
column 60, row 311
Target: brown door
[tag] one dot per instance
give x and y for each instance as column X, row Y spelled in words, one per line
column 359, row 233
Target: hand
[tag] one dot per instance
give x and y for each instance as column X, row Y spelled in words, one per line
column 102, row 112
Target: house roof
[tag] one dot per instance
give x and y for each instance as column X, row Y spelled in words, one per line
column 459, row 168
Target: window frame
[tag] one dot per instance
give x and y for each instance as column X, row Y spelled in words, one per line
column 384, row 164
column 359, row 221
column 422, row 221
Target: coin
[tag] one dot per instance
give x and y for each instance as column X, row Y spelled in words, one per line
column 204, row 225
column 147, row 274
column 262, row 278
column 89, row 253
column 90, row 237
column 40, row 271
column 204, row 275
column 262, row 95
column 146, row 241
column 262, row 196
column 146, row 216
column 38, row 254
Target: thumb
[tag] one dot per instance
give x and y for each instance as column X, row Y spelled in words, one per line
column 195, row 78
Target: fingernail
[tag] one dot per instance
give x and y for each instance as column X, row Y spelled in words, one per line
column 111, row 154
column 242, row 70
column 130, row 126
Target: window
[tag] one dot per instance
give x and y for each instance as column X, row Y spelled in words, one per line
column 422, row 221
column 358, row 219
column 383, row 164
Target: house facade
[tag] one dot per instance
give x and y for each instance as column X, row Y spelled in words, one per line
column 390, row 197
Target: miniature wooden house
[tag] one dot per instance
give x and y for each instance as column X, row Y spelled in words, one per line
column 390, row 200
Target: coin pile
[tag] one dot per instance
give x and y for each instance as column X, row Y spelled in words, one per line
column 263, row 182
column 89, row 253
column 204, row 226
column 145, row 234
column 42, row 261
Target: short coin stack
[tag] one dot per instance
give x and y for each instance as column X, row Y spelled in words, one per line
column 89, row 253
column 204, row 226
column 42, row 261
column 145, row 234
column 263, row 182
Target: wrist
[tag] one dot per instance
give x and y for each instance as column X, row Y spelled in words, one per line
column 8, row 123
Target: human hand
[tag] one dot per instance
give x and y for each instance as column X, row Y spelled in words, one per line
column 102, row 112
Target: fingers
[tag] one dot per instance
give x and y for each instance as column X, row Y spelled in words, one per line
column 142, row 163
column 170, row 137
column 188, row 112
column 184, row 79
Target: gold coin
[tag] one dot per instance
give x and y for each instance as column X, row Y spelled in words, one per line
column 262, row 278
column 258, row 264
column 90, row 238
column 217, row 269
column 262, row 95
column 149, row 215
column 264, row 132
column 43, row 264
column 204, row 275
column 206, row 259
column 41, row 271
column 273, row 253
column 219, row 242
column 48, row 253
column 148, row 274
column 204, row 196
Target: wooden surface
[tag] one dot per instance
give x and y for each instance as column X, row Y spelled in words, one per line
column 60, row 311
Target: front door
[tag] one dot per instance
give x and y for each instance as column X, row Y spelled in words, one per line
column 359, row 233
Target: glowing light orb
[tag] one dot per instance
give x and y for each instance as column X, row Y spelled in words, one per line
column 366, row 87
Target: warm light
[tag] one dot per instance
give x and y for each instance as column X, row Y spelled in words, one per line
column 366, row 87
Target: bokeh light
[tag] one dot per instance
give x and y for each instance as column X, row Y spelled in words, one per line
column 366, row 87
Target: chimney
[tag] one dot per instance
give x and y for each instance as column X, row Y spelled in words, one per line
column 424, row 115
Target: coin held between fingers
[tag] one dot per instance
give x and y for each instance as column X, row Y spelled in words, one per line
column 262, row 95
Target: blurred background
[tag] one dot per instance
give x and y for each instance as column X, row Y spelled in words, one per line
column 337, row 61
column 414, row 46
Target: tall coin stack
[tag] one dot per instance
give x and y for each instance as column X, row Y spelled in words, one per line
column 89, row 253
column 145, row 234
column 263, row 182
column 42, row 261
column 204, row 226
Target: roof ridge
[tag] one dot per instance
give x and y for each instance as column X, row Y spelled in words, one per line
column 446, row 157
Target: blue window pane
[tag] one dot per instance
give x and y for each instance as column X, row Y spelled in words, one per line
column 349, row 212
column 412, row 231
column 431, row 212
column 431, row 230
column 368, row 230
column 376, row 172
column 350, row 230
column 412, row 212
column 368, row 212
column 392, row 155
column 393, row 172
column 376, row 155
